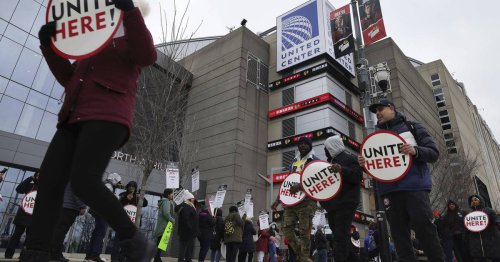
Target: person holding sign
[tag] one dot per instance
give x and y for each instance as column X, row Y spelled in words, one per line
column 341, row 208
column 299, row 215
column 165, row 215
column 482, row 235
column 407, row 200
column 95, row 119
column 23, row 220
column 188, row 228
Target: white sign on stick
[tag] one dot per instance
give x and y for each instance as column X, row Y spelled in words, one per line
column 28, row 202
column 179, row 195
column 195, row 180
column 83, row 28
column 219, row 196
column 263, row 220
column 476, row 221
column 383, row 161
column 241, row 208
column 320, row 181
column 285, row 197
column 172, row 176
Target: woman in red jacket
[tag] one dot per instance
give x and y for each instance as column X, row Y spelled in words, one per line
column 261, row 247
column 95, row 120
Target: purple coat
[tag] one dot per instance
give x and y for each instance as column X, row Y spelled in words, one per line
column 103, row 87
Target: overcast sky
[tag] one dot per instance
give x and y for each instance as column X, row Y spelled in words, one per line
column 465, row 37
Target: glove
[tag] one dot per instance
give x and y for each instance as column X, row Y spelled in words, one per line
column 125, row 5
column 46, row 32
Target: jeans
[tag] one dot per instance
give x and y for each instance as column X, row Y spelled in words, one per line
column 186, row 249
column 204, row 247
column 215, row 255
column 260, row 256
column 322, row 255
column 413, row 208
column 78, row 153
column 447, row 245
column 66, row 219
column 242, row 256
column 94, row 248
column 14, row 240
column 232, row 251
column 340, row 222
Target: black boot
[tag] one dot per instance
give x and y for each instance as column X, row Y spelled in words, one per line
column 34, row 256
column 138, row 248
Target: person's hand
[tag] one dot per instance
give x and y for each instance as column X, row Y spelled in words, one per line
column 408, row 149
column 46, row 32
column 361, row 160
column 130, row 196
column 82, row 211
column 336, row 168
column 125, row 5
column 294, row 189
column 274, row 206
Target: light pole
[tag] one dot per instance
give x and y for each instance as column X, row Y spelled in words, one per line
column 270, row 181
column 373, row 82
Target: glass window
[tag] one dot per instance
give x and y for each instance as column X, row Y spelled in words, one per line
column 434, row 77
column 8, row 7
column 57, row 91
column 445, row 119
column 450, row 143
column 439, row 97
column 448, row 136
column 26, row 67
column 29, row 121
column 10, row 110
column 17, row 91
column 37, row 99
column 3, row 25
column 348, row 99
column 53, row 106
column 47, row 127
column 9, row 53
column 437, row 90
column 443, row 113
column 3, row 84
column 441, row 104
column 44, row 80
column 436, row 83
column 16, row 34
column 452, row 150
column 11, row 175
column 7, row 188
column 39, row 21
column 352, row 129
column 25, row 13
column 446, row 127
column 33, row 44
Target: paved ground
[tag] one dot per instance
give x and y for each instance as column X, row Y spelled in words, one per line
column 80, row 257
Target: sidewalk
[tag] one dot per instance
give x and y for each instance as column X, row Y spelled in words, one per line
column 80, row 257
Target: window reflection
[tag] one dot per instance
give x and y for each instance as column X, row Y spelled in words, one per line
column 7, row 8
column 17, row 91
column 29, row 121
column 3, row 25
column 37, row 99
column 3, row 84
column 53, row 106
column 57, row 91
column 44, row 79
column 25, row 13
column 7, row 188
column 33, row 44
column 10, row 110
column 9, row 53
column 47, row 127
column 26, row 67
column 16, row 34
column 39, row 21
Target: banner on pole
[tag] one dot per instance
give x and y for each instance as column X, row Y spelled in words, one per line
column 343, row 39
column 372, row 22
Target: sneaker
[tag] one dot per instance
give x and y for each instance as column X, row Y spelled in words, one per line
column 34, row 256
column 138, row 248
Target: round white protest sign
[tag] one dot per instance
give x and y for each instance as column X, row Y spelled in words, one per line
column 131, row 211
column 476, row 221
column 319, row 182
column 286, row 198
column 28, row 202
column 383, row 161
column 83, row 28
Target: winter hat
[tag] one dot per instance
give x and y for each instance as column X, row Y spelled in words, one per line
column 233, row 209
column 306, row 140
column 188, row 195
column 334, row 145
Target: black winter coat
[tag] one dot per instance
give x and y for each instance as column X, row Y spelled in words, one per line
column 248, row 232
column 218, row 237
column 485, row 244
column 188, row 222
column 25, row 187
column 320, row 240
column 206, row 225
column 351, row 180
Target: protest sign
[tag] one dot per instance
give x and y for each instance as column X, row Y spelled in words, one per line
column 179, row 195
column 166, row 237
column 83, row 27
column 219, row 196
column 211, row 199
column 195, row 180
column 476, row 221
column 384, row 161
column 131, row 211
column 241, row 208
column 285, row 197
column 172, row 176
column 319, row 181
column 28, row 202
column 263, row 220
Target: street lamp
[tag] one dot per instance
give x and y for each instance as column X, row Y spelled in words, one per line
column 270, row 181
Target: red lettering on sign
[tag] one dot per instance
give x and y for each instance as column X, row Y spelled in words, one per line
column 81, row 25
column 381, row 163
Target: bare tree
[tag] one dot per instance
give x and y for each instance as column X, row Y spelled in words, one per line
column 453, row 179
column 160, row 122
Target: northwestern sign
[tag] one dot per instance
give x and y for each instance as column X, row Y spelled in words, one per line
column 305, row 33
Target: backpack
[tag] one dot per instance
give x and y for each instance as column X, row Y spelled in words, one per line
column 370, row 243
column 228, row 227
